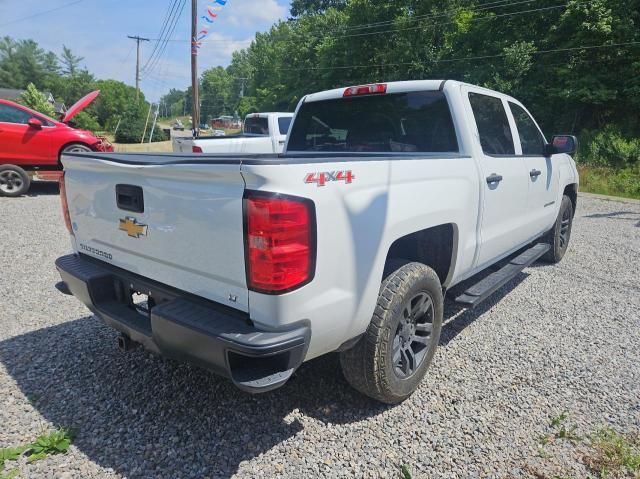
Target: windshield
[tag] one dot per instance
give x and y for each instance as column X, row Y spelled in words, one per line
column 256, row 125
column 397, row 122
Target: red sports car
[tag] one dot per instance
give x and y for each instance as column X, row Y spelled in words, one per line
column 31, row 144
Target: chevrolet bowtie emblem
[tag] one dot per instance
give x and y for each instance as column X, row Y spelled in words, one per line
column 132, row 227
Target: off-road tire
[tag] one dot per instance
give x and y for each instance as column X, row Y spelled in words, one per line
column 559, row 235
column 14, row 181
column 368, row 366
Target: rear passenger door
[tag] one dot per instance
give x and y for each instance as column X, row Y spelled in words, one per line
column 504, row 179
column 543, row 177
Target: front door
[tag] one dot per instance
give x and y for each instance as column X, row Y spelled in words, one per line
column 21, row 144
column 543, row 177
column 504, row 180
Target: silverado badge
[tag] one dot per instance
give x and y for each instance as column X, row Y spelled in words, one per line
column 132, row 227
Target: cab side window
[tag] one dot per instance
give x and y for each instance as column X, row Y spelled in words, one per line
column 531, row 139
column 10, row 114
column 493, row 125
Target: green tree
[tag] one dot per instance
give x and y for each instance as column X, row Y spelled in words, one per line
column 247, row 105
column 132, row 125
column 70, row 62
column 173, row 102
column 23, row 62
column 115, row 99
column 216, row 93
column 309, row 7
column 35, row 100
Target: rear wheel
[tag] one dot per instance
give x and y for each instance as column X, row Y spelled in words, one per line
column 392, row 357
column 560, row 234
column 14, row 181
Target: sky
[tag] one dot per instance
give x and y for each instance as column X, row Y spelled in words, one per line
column 97, row 30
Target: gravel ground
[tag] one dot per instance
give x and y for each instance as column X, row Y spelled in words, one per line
column 558, row 338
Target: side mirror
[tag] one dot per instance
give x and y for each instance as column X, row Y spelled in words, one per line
column 562, row 144
column 34, row 123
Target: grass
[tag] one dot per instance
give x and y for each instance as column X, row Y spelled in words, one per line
column 404, row 472
column 607, row 453
column 561, row 430
column 45, row 445
column 614, row 454
column 609, row 181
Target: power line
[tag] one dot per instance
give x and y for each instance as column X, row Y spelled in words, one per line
column 173, row 22
column 493, row 17
column 479, row 57
column 415, row 18
column 42, row 12
column 482, row 7
column 459, row 59
column 172, row 5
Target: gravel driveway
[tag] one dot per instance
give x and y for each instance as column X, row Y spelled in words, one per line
column 562, row 338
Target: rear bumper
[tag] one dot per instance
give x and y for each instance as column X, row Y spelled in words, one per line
column 186, row 327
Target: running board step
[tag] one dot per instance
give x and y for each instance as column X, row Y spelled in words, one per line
column 480, row 291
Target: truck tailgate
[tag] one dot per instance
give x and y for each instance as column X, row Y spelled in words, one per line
column 189, row 234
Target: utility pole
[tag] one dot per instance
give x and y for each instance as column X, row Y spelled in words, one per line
column 195, row 100
column 138, row 40
column 242, row 80
column 155, row 119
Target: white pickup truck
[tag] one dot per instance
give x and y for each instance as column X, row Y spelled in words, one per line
column 261, row 133
column 386, row 197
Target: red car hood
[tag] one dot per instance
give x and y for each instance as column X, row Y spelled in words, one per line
column 80, row 105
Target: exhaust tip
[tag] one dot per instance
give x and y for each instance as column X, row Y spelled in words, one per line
column 125, row 343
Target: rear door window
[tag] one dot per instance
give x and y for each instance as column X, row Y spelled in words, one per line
column 394, row 122
column 283, row 124
column 531, row 140
column 256, row 125
column 493, row 125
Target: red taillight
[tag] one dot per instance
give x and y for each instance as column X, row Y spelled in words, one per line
column 65, row 205
column 366, row 89
column 280, row 238
column 196, row 149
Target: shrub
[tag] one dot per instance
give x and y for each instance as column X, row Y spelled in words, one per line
column 85, row 121
column 132, row 126
column 609, row 147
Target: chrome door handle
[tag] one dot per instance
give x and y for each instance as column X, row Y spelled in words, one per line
column 535, row 173
column 493, row 178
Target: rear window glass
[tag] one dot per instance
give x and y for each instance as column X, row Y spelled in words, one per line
column 256, row 125
column 396, row 122
column 493, row 125
column 283, row 125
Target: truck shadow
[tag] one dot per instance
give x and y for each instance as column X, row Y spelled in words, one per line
column 143, row 415
column 458, row 317
column 43, row 188
column 619, row 215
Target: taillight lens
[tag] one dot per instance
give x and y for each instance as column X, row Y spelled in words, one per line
column 196, row 149
column 65, row 205
column 280, row 242
column 376, row 88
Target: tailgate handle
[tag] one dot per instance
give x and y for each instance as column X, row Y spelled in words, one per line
column 130, row 198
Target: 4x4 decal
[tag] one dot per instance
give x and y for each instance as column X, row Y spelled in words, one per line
column 321, row 178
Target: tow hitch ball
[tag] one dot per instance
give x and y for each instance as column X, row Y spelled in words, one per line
column 125, row 343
